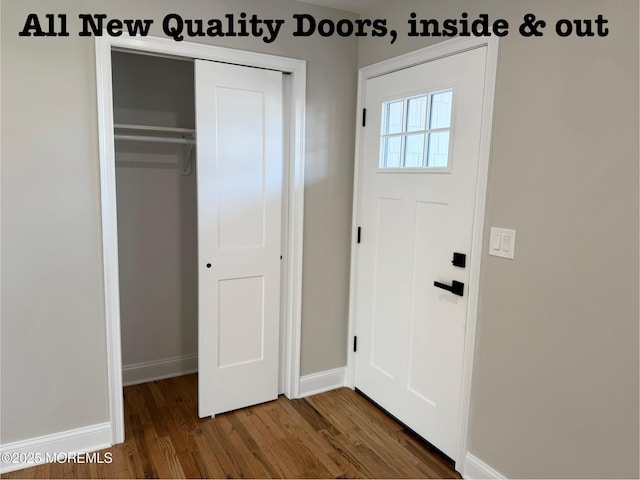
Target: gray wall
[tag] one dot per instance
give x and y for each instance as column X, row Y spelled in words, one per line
column 157, row 225
column 54, row 370
column 555, row 388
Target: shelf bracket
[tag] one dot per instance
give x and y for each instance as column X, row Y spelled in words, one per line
column 187, row 160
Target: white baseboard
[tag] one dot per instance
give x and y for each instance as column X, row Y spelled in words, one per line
column 159, row 369
column 28, row 453
column 476, row 469
column 322, row 381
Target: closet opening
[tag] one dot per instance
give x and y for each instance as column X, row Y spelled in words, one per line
column 159, row 227
column 154, row 132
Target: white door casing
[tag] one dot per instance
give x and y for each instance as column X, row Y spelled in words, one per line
column 415, row 341
column 239, row 163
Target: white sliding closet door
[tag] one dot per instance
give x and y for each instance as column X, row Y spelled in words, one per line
column 239, row 168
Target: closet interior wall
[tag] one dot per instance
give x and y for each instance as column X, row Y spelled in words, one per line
column 157, row 223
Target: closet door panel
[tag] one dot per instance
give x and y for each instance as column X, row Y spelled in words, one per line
column 239, row 168
column 242, row 165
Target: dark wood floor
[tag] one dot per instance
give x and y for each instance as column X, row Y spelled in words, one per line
column 336, row 434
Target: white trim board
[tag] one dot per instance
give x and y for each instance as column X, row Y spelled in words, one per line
column 476, row 469
column 295, row 151
column 144, row 372
column 79, row 440
column 434, row 52
column 321, row 382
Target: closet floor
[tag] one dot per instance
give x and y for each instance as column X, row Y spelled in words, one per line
column 332, row 435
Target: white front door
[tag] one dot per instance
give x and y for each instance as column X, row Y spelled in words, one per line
column 419, row 164
column 239, row 169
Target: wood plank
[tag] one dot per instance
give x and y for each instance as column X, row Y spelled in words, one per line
column 338, row 434
column 378, row 435
column 207, row 457
column 181, row 437
column 260, row 433
column 244, row 464
column 334, row 462
column 121, row 463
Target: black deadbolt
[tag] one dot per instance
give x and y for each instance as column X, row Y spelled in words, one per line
column 459, row 260
column 208, row 265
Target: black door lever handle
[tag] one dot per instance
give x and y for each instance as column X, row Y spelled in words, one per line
column 457, row 288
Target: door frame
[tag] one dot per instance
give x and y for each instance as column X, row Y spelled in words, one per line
column 424, row 55
column 294, row 136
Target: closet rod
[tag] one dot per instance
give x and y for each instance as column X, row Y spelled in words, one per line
column 149, row 138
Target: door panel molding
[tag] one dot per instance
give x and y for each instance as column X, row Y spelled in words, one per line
column 428, row 54
column 294, row 151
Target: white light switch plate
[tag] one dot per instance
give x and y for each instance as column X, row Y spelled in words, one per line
column 502, row 243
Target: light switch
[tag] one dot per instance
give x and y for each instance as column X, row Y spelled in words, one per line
column 506, row 243
column 496, row 241
column 502, row 243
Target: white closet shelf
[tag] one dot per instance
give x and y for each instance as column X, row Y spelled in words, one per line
column 153, row 134
column 147, row 133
